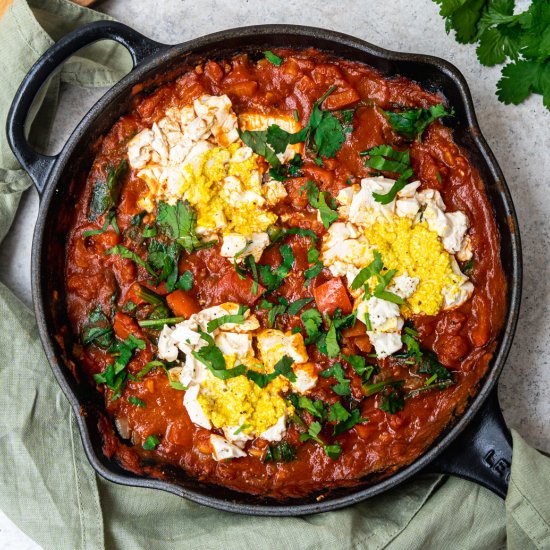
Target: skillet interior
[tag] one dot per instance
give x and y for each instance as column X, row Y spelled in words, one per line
column 68, row 177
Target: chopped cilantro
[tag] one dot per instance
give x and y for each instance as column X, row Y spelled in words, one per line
column 392, row 402
column 316, row 408
column 105, row 194
column 332, row 451
column 97, row 330
column 273, row 279
column 272, row 58
column 296, row 306
column 280, row 452
column 277, row 310
column 115, row 375
column 110, row 219
column 338, row 413
column 238, row 318
column 312, row 321
column 411, row 123
column 136, row 401
column 372, row 270
column 385, row 157
column 130, row 255
column 151, row 443
column 212, row 357
column 185, row 282
column 360, row 366
column 178, row 222
column 318, row 200
column 337, row 371
column 333, row 349
column 283, row 367
column 347, row 423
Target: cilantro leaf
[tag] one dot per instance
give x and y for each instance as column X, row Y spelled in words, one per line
column 136, row 401
column 337, row 371
column 318, row 200
column 272, row 58
column 372, row 270
column 312, row 321
column 338, row 413
column 97, row 330
column 219, row 321
column 185, row 282
column 151, row 443
column 521, row 78
column 105, row 194
column 329, row 135
column 316, row 408
column 296, row 306
column 130, row 255
column 346, row 424
column 411, row 123
column 281, row 452
column 393, row 402
column 178, row 222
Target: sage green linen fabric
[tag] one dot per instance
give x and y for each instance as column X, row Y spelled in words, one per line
column 47, row 486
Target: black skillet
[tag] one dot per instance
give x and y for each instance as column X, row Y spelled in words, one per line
column 477, row 446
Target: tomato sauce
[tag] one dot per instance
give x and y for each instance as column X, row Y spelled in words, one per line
column 463, row 338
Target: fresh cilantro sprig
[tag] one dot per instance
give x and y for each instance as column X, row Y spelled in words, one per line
column 385, row 157
column 504, row 36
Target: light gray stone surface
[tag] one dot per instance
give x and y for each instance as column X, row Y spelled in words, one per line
column 519, row 137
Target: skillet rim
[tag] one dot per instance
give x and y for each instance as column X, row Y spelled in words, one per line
column 155, row 64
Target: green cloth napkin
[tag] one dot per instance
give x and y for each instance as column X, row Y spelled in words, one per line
column 47, row 486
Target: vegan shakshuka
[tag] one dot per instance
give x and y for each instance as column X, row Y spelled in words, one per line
column 283, row 275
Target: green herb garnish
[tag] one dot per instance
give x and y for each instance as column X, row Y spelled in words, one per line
column 385, row 157
column 272, row 58
column 151, row 443
column 136, row 401
column 281, row 452
column 318, row 200
column 105, row 194
column 411, row 123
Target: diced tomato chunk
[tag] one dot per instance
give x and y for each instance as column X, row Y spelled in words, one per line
column 182, row 303
column 341, row 99
column 331, row 296
column 363, row 343
column 358, row 329
column 124, row 325
column 231, row 288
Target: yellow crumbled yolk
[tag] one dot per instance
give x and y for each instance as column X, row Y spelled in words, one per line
column 240, row 401
column 203, row 188
column 418, row 251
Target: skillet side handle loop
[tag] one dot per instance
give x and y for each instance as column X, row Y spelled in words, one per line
column 483, row 452
column 37, row 165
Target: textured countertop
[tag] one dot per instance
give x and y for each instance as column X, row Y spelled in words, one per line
column 518, row 135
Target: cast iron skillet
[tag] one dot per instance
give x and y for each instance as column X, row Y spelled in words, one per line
column 478, row 445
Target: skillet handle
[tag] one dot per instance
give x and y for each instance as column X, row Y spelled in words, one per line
column 482, row 452
column 37, row 165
